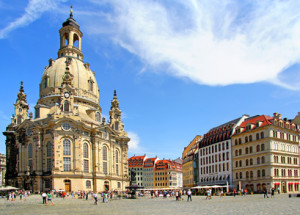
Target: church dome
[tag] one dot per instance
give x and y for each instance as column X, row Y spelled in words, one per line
column 68, row 82
column 84, row 81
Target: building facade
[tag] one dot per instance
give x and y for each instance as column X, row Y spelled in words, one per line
column 2, row 169
column 266, row 154
column 67, row 145
column 136, row 166
column 167, row 174
column 148, row 172
column 214, row 153
column 188, row 162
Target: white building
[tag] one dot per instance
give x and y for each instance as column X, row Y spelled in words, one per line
column 215, row 159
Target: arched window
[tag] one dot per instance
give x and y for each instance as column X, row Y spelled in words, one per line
column 48, row 153
column 19, row 119
column 66, row 147
column 250, row 138
column 236, row 152
column 85, row 150
column 240, row 163
column 262, row 135
column 247, row 150
column 236, row 164
column 117, row 156
column 247, row 174
column 240, row 151
column 66, row 106
column 262, row 148
column 116, row 125
column 30, row 150
column 258, row 173
column 251, row 149
column 66, row 39
column 98, row 117
column 49, row 146
column 119, row 184
column 258, row 160
column 258, row 148
column 236, row 142
column 263, row 173
column 257, row 136
column 246, row 139
column 104, row 158
column 251, row 174
column 251, row 161
column 117, row 162
column 88, row 184
column 75, row 41
column 263, row 159
column 247, row 162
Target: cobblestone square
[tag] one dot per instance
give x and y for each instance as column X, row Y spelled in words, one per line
column 251, row 204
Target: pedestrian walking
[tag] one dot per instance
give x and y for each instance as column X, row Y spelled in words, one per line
column 87, row 196
column 272, row 192
column 96, row 199
column 50, row 198
column 44, row 196
column 278, row 190
column 189, row 194
column 266, row 193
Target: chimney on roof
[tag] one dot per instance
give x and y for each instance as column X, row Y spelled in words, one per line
column 277, row 116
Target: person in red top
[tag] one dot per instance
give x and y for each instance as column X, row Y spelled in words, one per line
column 234, row 192
column 64, row 194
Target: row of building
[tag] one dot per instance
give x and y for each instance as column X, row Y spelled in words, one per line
column 153, row 173
column 253, row 153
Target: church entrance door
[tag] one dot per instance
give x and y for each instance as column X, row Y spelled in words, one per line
column 67, row 185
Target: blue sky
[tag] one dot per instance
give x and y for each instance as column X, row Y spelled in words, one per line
column 180, row 67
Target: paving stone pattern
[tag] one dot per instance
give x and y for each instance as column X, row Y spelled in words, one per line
column 251, row 204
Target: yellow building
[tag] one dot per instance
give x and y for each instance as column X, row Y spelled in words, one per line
column 2, row 169
column 67, row 145
column 188, row 160
column 167, row 174
column 266, row 154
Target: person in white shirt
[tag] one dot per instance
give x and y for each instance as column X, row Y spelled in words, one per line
column 44, row 195
column 96, row 198
column 189, row 193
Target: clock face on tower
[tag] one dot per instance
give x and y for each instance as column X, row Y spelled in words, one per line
column 67, row 95
column 116, row 116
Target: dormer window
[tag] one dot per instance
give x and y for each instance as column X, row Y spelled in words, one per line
column 98, row 117
column 91, row 83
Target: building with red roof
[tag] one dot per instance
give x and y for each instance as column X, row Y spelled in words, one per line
column 266, row 154
column 136, row 166
column 167, row 174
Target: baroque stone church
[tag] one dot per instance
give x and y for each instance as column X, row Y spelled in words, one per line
column 67, row 145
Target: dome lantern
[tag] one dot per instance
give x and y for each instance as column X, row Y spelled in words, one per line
column 70, row 38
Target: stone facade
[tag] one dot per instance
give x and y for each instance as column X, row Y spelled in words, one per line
column 2, row 169
column 67, row 145
column 266, row 154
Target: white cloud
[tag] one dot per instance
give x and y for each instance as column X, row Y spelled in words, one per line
column 33, row 11
column 134, row 143
column 212, row 42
